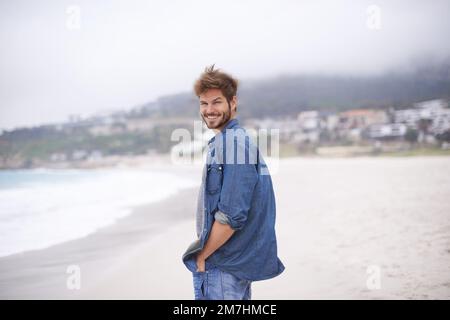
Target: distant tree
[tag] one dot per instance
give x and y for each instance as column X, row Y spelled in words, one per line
column 411, row 135
column 444, row 137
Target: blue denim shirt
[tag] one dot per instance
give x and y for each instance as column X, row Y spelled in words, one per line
column 239, row 185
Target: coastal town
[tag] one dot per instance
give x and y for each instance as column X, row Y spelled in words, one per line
column 365, row 130
column 106, row 140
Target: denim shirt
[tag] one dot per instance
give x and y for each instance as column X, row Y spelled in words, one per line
column 238, row 185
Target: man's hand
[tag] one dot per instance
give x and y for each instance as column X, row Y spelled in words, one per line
column 220, row 233
column 200, row 264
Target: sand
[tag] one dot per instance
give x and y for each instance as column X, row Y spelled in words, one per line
column 358, row 228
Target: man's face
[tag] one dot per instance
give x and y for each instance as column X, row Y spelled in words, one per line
column 215, row 110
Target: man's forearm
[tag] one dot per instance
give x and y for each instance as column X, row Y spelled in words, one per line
column 220, row 233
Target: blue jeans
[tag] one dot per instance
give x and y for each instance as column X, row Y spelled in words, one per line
column 214, row 284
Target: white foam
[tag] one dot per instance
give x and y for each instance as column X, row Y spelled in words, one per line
column 66, row 205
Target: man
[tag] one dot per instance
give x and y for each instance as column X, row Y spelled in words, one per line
column 236, row 205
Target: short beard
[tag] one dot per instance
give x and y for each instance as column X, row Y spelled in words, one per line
column 226, row 117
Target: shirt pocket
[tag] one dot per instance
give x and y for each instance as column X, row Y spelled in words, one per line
column 214, row 178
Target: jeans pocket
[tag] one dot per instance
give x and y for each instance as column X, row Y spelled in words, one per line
column 200, row 285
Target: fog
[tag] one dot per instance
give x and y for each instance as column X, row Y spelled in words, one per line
column 84, row 57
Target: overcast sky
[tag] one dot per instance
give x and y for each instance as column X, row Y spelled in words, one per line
column 81, row 57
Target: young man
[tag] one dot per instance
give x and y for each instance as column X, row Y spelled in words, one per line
column 236, row 205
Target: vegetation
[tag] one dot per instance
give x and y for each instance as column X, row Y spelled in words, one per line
column 281, row 97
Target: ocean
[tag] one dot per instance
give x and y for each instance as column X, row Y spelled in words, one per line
column 43, row 207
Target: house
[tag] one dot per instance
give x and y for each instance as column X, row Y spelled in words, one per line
column 331, row 122
column 387, row 130
column 436, row 111
column 409, row 117
column 286, row 128
column 361, row 118
column 79, row 154
column 353, row 123
column 309, row 120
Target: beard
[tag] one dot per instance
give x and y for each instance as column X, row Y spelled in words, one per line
column 220, row 120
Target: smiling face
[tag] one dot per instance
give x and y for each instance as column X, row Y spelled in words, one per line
column 215, row 110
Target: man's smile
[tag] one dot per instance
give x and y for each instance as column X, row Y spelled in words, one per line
column 212, row 117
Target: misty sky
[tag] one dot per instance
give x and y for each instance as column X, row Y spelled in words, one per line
column 119, row 54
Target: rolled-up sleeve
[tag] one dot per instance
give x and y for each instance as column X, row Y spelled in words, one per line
column 221, row 217
column 239, row 181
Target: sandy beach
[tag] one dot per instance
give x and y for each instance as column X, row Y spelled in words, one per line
column 338, row 220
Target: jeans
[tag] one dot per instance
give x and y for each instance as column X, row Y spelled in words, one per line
column 214, row 284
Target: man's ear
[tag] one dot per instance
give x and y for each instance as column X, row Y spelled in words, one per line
column 234, row 103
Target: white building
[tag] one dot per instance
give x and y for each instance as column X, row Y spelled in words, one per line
column 431, row 106
column 95, row 155
column 307, row 136
column 386, row 130
column 287, row 128
column 309, row 120
column 79, row 154
column 410, row 117
column 332, row 122
column 436, row 110
column 56, row 157
column 441, row 123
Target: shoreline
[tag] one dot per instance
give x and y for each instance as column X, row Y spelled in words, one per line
column 43, row 273
column 164, row 160
column 45, row 207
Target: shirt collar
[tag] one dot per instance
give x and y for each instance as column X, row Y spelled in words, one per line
column 231, row 124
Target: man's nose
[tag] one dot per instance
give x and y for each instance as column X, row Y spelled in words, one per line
column 209, row 108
